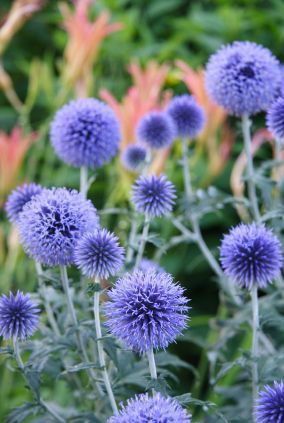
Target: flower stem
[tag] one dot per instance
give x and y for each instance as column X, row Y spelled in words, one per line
column 255, row 330
column 195, row 224
column 142, row 241
column 21, row 366
column 250, row 170
column 131, row 241
column 84, row 181
column 72, row 313
column 47, row 306
column 101, row 350
column 152, row 366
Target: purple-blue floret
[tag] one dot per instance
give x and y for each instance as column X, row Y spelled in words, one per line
column 157, row 409
column 85, row 132
column 188, row 116
column 146, row 310
column 51, row 224
column 153, row 195
column 269, row 406
column 243, row 77
column 18, row 198
column 98, row 254
column 156, row 129
column 18, row 316
column 250, row 255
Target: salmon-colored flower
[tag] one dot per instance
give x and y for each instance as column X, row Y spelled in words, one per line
column 13, row 148
column 145, row 95
column 216, row 138
column 84, row 40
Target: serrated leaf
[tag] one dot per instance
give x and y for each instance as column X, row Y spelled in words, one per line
column 19, row 414
column 33, row 380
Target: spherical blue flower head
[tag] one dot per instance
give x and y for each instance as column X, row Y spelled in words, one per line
column 270, row 404
column 275, row 119
column 153, row 195
column 98, row 254
column 156, row 129
column 18, row 198
column 18, row 316
column 188, row 116
column 243, row 77
column 85, row 132
column 134, row 157
column 156, row 409
column 146, row 310
column 52, row 222
column 146, row 265
column 251, row 254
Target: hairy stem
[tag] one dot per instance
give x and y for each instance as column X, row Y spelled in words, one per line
column 101, row 350
column 142, row 241
column 195, row 224
column 84, row 181
column 72, row 313
column 250, row 170
column 21, row 366
column 255, row 330
column 42, row 289
column 131, row 241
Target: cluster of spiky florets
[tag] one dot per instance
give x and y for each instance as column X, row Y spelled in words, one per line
column 52, row 222
column 146, row 310
column 158, row 409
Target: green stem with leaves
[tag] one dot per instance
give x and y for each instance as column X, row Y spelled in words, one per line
column 101, row 353
column 21, row 366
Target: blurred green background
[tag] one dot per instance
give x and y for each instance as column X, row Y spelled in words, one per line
column 165, row 30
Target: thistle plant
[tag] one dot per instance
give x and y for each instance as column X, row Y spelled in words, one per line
column 107, row 324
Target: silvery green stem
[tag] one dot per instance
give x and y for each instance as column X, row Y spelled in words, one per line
column 250, row 170
column 143, row 240
column 131, row 241
column 255, row 330
column 72, row 313
column 84, row 181
column 195, row 224
column 46, row 303
column 101, row 350
column 21, row 366
column 152, row 364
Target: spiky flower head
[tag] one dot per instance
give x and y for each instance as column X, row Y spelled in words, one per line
column 98, row 254
column 243, row 77
column 251, row 254
column 146, row 265
column 85, row 132
column 146, row 310
column 52, row 222
column 270, row 404
column 18, row 316
column 18, row 198
column 153, row 195
column 134, row 157
column 156, row 409
column 275, row 119
column 156, row 129
column 188, row 116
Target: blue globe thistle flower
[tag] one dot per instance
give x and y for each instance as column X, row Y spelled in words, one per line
column 243, row 77
column 18, row 316
column 156, row 129
column 18, row 198
column 270, row 404
column 134, row 157
column 146, row 265
column 146, row 310
column 85, row 132
column 251, row 254
column 156, row 409
column 52, row 222
column 275, row 119
column 153, row 195
column 188, row 116
column 98, row 254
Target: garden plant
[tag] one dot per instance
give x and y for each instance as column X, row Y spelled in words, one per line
column 142, row 239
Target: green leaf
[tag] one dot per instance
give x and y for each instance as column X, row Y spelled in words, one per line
column 81, row 366
column 20, row 414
